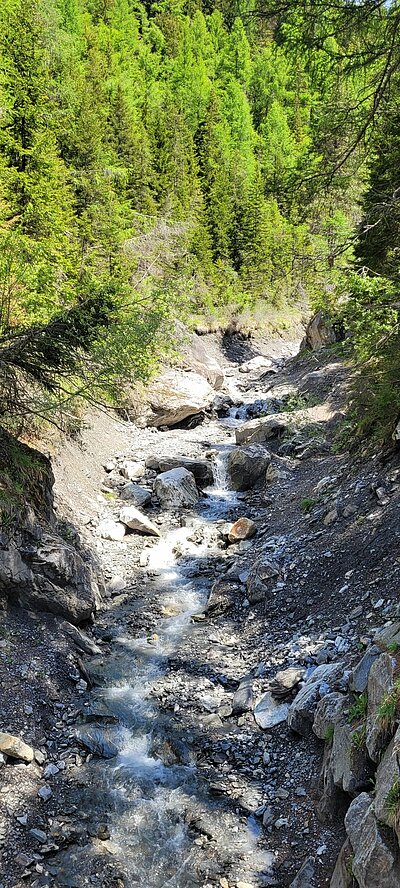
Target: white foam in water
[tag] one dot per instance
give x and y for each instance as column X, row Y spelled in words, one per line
column 220, row 495
column 135, row 757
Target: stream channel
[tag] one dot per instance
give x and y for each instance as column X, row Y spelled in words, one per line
column 155, row 801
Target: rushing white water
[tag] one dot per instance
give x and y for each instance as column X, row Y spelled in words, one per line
column 221, row 497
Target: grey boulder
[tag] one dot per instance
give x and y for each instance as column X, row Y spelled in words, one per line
column 246, row 465
column 176, row 489
column 135, row 520
column 112, row 530
column 261, row 579
column 259, row 431
column 305, row 876
column 243, row 696
column 268, row 712
column 97, row 740
column 15, row 747
column 302, row 711
column 174, row 396
column 136, row 494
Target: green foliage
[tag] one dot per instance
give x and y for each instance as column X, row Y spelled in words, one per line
column 307, row 504
column 329, row 734
column 358, row 738
column 358, row 710
column 165, row 157
column 389, row 708
column 392, row 802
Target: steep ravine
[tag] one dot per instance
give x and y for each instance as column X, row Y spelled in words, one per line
column 174, row 774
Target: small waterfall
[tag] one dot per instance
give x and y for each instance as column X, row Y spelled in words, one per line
column 220, row 497
column 220, row 469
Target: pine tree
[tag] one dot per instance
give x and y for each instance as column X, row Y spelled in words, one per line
column 37, row 213
column 213, row 141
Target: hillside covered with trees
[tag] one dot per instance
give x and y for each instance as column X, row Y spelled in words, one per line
column 190, row 159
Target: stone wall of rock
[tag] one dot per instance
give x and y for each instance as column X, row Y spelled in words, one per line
column 358, row 716
column 43, row 564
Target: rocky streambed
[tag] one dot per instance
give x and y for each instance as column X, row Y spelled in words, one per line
column 227, row 706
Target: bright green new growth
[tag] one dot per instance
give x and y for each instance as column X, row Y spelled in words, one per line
column 174, row 156
column 157, row 141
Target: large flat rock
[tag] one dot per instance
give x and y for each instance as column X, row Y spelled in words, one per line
column 176, row 395
column 258, row 431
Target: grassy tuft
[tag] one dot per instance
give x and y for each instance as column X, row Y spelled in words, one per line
column 358, row 710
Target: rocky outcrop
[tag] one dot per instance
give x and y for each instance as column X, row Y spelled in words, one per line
column 359, row 677
column 42, row 562
column 380, row 687
column 351, row 767
column 342, row 874
column 200, row 468
column 174, row 396
column 63, row 580
column 176, row 489
column 246, row 465
column 195, row 356
column 319, row 332
column 302, row 711
column 387, row 787
column 327, row 714
column 376, row 857
column 49, row 574
column 365, row 751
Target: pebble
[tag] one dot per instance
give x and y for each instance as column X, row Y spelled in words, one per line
column 45, row 793
column 40, row 757
column 50, row 771
column 39, row 835
column 268, row 817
